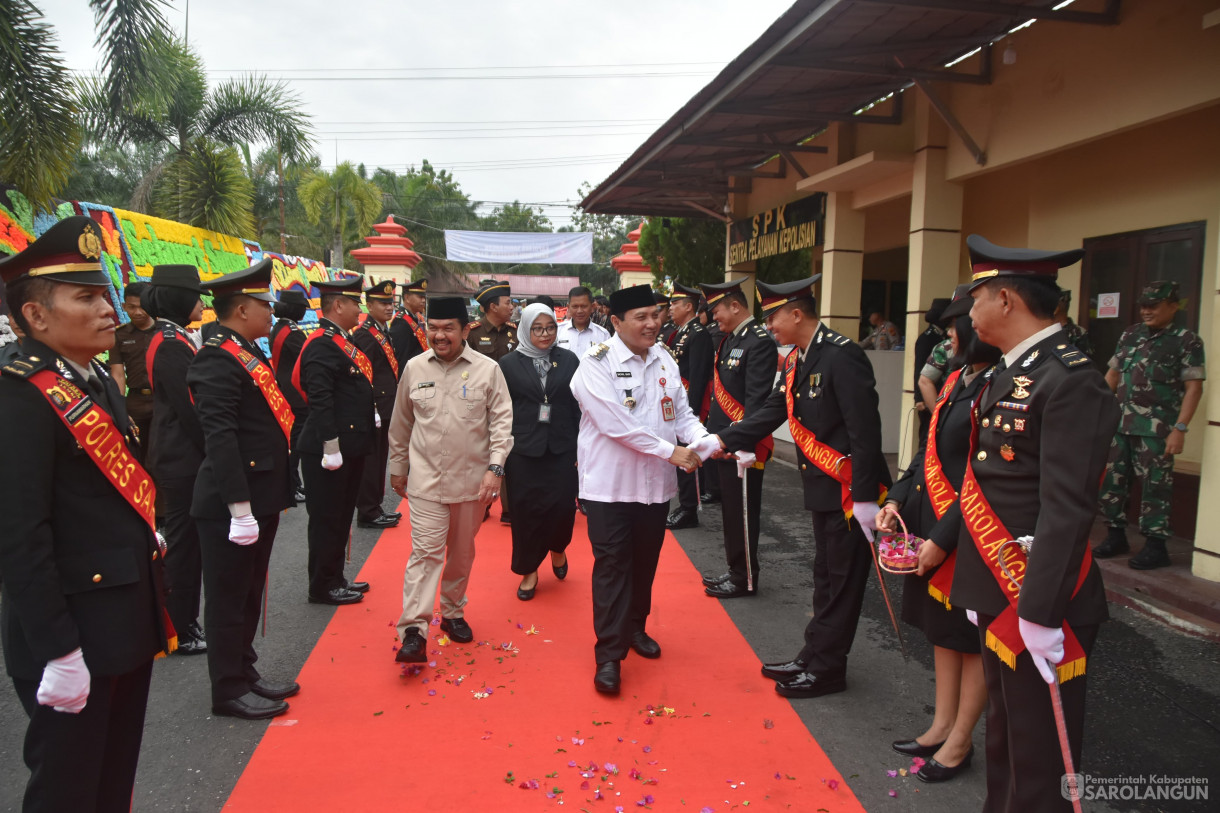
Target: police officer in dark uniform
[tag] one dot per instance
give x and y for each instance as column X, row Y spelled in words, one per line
column 1044, row 425
column 172, row 298
column 408, row 331
column 743, row 377
column 666, row 335
column 80, row 595
column 495, row 336
column 127, row 362
column 337, row 381
column 242, row 487
column 373, row 339
column 287, row 339
column 692, row 347
column 827, row 391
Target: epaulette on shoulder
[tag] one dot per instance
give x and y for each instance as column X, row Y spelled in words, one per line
column 24, row 366
column 667, row 349
column 598, row 350
column 513, row 325
column 169, row 331
column 760, row 331
column 475, row 324
column 215, row 341
column 1070, row 355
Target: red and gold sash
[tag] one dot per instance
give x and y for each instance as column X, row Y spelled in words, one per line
column 735, row 411
column 940, row 493
column 705, row 405
column 277, row 347
column 150, row 354
column 95, row 431
column 264, row 378
column 386, row 348
column 989, row 534
column 827, row 459
column 358, row 359
column 417, row 329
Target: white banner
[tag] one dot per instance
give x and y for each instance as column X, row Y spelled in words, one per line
column 518, row 247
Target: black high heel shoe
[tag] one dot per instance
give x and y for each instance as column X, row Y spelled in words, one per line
column 933, row 771
column 912, row 748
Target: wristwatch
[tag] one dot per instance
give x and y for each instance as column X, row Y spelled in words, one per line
column 496, row 469
column 1181, row 427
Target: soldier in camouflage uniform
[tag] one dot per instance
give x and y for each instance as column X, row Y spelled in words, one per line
column 1077, row 335
column 1157, row 371
column 934, row 370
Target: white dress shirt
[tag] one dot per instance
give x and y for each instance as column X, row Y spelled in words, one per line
column 1014, row 355
column 623, row 454
column 579, row 341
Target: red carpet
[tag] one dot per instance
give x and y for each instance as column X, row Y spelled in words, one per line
column 512, row 721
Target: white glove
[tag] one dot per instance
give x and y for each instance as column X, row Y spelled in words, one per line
column 866, row 514
column 376, row 418
column 972, row 617
column 705, row 447
column 65, row 683
column 243, row 530
column 744, row 461
column 330, row 462
column 1045, row 645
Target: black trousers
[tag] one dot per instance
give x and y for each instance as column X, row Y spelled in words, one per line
column 86, row 762
column 234, row 576
column 1024, row 759
column 372, row 482
column 725, row 472
column 330, row 498
column 688, row 487
column 543, row 504
column 626, row 539
column 144, row 427
column 183, row 567
column 841, row 563
column 294, row 456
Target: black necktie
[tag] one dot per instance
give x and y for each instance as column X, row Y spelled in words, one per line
column 94, row 386
column 1000, row 366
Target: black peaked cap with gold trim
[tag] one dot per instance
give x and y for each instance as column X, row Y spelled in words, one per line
column 774, row 297
column 254, row 282
column 349, row 287
column 70, row 251
column 418, row 286
column 713, row 292
column 988, row 261
column 683, row 292
column 383, row 290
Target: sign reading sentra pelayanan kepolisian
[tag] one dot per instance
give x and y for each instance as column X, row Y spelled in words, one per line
column 790, row 227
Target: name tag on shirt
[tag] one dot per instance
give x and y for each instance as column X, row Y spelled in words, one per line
column 544, row 413
column 623, row 374
column 425, row 384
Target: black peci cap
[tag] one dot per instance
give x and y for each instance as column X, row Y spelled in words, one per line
column 629, row 299
column 448, row 307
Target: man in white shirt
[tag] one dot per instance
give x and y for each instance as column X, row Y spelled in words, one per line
column 579, row 332
column 634, row 412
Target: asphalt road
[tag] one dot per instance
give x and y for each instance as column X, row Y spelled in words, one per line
column 1154, row 698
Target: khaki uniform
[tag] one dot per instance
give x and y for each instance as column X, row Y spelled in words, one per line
column 496, row 342
column 451, row 421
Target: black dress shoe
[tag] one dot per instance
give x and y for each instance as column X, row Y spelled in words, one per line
column 1114, row 544
column 413, row 648
column 274, row 691
column 682, row 518
column 197, row 631
column 807, row 684
column 337, row 597
column 392, row 514
column 783, row 671
column 457, row 629
column 526, row 595
column 250, row 706
column 709, row 581
column 506, row 518
column 607, row 679
column 727, row 589
column 358, row 587
column 380, row 522
column 933, row 771
column 560, row 571
column 709, row 499
column 645, row 646
column 912, row 748
column 299, row 496
column 190, row 645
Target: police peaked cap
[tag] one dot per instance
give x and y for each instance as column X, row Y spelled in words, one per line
column 254, row 282
column 683, row 292
column 349, row 287
column 381, row 290
column 661, row 298
column 419, row 286
column 936, row 311
column 774, row 297
column 987, row 261
column 70, row 251
column 961, row 304
column 714, row 292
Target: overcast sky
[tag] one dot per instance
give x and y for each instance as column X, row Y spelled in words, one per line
column 533, row 140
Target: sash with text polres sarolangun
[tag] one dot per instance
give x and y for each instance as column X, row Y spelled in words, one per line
column 94, row 429
column 735, row 411
column 264, row 378
column 385, row 345
column 350, row 350
column 940, row 493
column 989, row 534
column 827, row 459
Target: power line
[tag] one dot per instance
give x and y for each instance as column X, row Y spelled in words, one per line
column 327, row 133
column 498, row 137
column 493, row 121
column 476, row 67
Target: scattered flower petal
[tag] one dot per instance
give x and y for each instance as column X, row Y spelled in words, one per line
column 768, row 724
column 894, row 794
column 889, row 773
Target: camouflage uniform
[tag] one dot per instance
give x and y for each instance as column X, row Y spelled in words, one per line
column 937, row 365
column 1079, row 337
column 1153, row 367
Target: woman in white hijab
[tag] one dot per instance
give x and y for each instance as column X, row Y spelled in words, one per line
column 540, row 472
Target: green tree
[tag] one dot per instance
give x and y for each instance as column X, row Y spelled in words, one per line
column 609, row 234
column 427, row 201
column 686, row 250
column 332, row 199
column 203, row 181
column 110, row 173
column 39, row 129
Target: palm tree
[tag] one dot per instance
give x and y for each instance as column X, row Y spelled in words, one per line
column 39, row 132
column 203, row 180
column 330, row 198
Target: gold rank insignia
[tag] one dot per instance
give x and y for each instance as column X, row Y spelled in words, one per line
column 1021, row 384
column 1007, row 453
column 1018, row 424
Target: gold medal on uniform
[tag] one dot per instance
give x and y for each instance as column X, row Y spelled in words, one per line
column 629, row 401
column 465, row 374
column 1007, row 453
column 1018, row 424
column 1021, row 384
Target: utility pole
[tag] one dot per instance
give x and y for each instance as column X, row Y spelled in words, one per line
column 279, row 155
